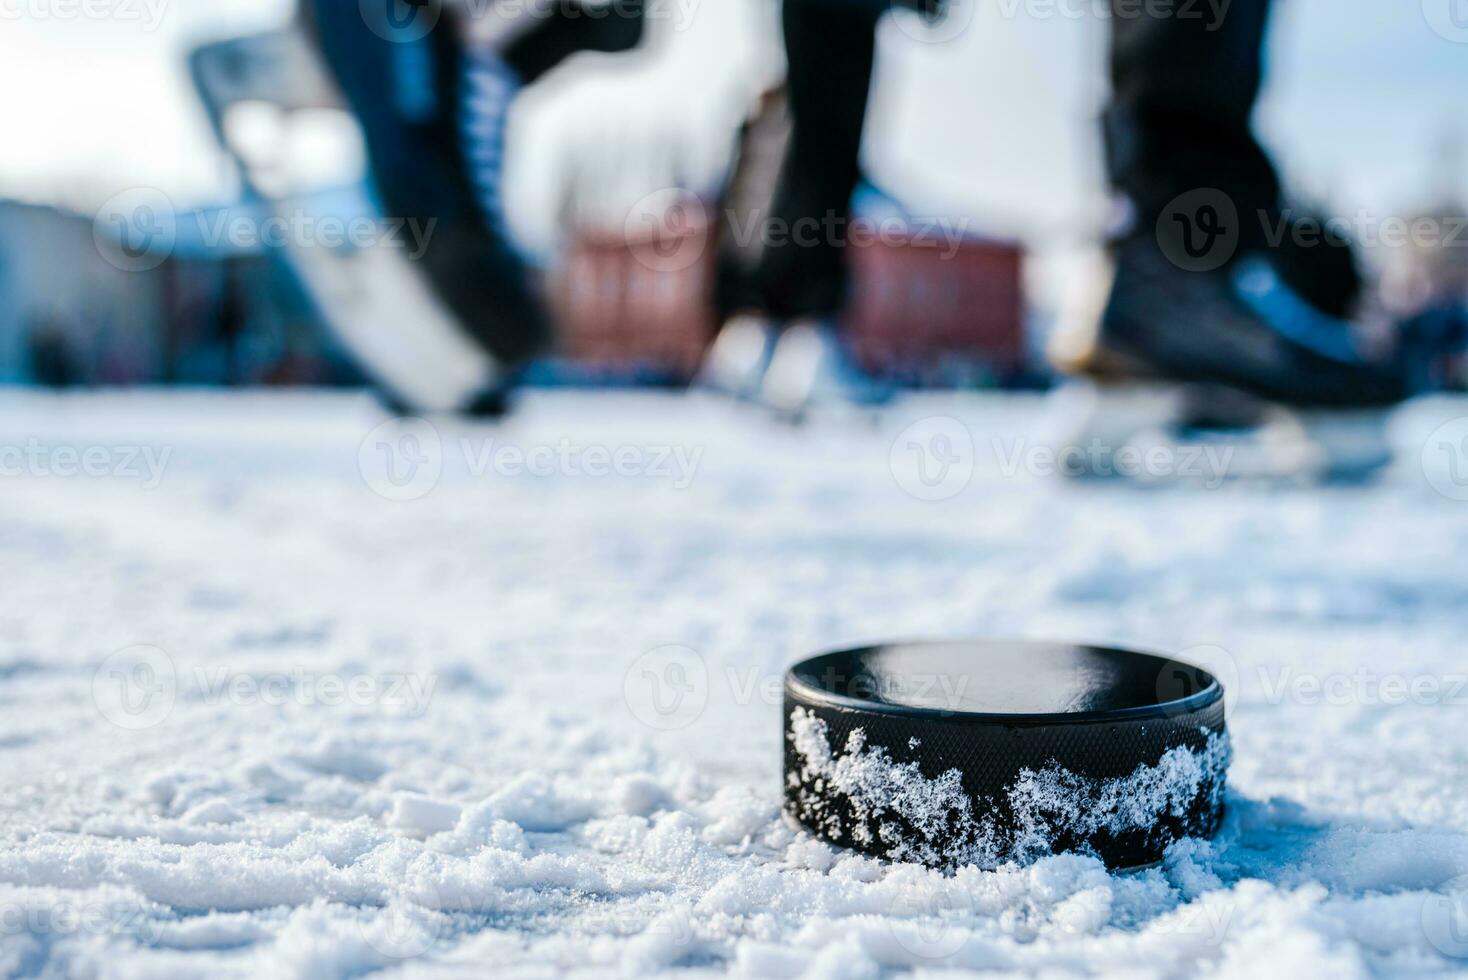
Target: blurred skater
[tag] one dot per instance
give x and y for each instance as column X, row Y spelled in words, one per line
column 1202, row 285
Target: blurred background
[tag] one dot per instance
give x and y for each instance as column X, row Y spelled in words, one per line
column 1363, row 110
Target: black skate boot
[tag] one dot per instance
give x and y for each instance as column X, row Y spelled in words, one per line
column 1249, row 351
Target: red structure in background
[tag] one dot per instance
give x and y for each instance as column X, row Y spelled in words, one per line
column 641, row 304
column 930, row 312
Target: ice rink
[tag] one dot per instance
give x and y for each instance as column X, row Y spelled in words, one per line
column 286, row 691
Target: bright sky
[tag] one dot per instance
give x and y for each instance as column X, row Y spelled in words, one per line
column 995, row 123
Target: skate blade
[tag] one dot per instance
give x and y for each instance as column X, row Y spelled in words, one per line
column 259, row 92
column 383, row 309
column 1159, row 433
column 736, row 361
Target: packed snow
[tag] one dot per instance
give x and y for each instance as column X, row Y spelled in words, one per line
column 289, row 691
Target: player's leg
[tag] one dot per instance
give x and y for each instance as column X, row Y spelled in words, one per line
column 1206, row 287
column 1183, row 95
column 791, row 275
column 1217, row 325
column 831, row 50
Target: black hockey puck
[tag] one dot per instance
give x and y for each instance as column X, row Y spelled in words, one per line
column 955, row 753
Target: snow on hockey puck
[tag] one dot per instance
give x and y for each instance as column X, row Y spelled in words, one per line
column 954, row 753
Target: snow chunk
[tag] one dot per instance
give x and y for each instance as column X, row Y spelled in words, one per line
column 342, row 757
column 422, row 815
column 738, row 814
column 639, row 795
column 807, row 852
column 212, row 811
column 536, row 804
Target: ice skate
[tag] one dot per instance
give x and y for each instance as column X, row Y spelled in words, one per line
column 1235, row 361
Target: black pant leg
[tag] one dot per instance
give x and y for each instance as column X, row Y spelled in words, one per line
column 831, row 48
column 1184, row 88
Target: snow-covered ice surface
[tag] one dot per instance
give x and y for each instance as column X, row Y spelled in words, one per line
column 260, row 719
